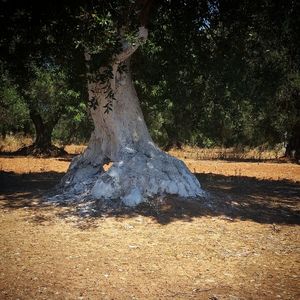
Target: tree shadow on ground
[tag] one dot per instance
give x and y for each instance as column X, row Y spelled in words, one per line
column 56, row 152
column 60, row 156
column 229, row 197
column 279, row 160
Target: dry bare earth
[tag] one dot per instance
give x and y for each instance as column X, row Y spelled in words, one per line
column 245, row 245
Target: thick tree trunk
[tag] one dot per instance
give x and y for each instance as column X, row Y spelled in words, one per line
column 293, row 147
column 139, row 170
column 43, row 131
column 42, row 145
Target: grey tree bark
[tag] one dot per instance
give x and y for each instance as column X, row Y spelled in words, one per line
column 139, row 170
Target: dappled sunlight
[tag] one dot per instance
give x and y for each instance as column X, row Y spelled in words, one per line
column 263, row 199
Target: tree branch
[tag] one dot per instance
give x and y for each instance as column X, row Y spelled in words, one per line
column 144, row 13
column 128, row 48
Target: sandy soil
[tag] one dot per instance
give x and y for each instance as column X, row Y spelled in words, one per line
column 243, row 243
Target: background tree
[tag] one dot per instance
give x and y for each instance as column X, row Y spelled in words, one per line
column 48, row 98
column 40, row 61
column 235, row 83
column 14, row 112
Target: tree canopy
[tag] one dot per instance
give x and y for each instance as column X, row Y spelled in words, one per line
column 211, row 72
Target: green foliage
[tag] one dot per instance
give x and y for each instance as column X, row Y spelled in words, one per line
column 14, row 113
column 230, row 72
column 211, row 73
column 74, row 126
column 50, row 96
column 49, row 93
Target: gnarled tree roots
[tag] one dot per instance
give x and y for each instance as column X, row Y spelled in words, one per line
column 134, row 179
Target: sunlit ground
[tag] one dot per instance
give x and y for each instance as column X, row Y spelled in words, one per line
column 240, row 243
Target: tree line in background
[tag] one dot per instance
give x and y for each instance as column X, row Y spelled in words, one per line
column 216, row 73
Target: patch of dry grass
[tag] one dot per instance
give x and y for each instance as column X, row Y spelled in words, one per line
column 75, row 149
column 232, row 153
column 12, row 143
column 243, row 245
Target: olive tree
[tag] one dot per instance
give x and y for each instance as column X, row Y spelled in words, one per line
column 139, row 169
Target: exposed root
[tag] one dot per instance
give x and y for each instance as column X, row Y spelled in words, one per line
column 133, row 180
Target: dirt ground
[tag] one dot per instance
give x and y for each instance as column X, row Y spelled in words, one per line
column 242, row 242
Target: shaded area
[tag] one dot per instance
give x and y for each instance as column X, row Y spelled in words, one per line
column 33, row 150
column 233, row 155
column 63, row 155
column 7, row 154
column 47, row 151
column 19, row 190
column 263, row 201
column 279, row 160
column 230, row 197
column 240, row 158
